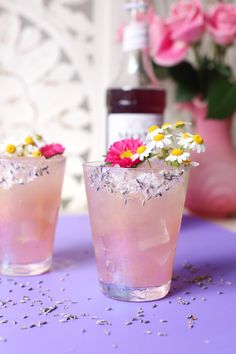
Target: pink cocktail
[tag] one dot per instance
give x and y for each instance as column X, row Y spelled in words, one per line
column 30, row 192
column 135, row 216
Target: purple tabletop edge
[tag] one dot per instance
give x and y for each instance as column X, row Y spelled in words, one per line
column 63, row 311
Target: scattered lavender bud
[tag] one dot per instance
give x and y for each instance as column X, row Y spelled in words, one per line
column 107, row 333
column 161, row 334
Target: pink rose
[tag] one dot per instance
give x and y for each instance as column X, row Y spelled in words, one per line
column 221, row 23
column 164, row 50
column 51, row 150
column 187, row 21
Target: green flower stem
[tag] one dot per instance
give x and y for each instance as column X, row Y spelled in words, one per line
column 196, row 52
column 149, row 163
column 220, row 54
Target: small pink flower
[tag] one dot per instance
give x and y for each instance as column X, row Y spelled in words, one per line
column 51, row 150
column 164, row 50
column 187, row 21
column 121, row 152
column 221, row 23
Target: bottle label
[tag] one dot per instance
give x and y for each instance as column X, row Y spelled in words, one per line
column 135, row 36
column 130, row 125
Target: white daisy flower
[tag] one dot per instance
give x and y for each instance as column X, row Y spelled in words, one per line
column 181, row 124
column 166, row 126
column 185, row 140
column 27, row 145
column 198, row 144
column 178, row 155
column 31, row 150
column 142, row 152
column 10, row 147
column 33, row 139
column 28, row 140
column 152, row 131
column 160, row 140
column 31, row 144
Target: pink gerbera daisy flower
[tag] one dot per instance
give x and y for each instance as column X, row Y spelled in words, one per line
column 121, row 153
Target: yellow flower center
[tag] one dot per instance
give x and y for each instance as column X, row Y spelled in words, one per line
column 165, row 125
column 186, row 135
column 29, row 140
column 152, row 128
column 126, row 154
column 36, row 153
column 159, row 137
column 198, row 139
column 141, row 149
column 179, row 124
column 10, row 149
column 177, row 152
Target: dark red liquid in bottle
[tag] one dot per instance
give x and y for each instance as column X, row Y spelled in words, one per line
column 137, row 100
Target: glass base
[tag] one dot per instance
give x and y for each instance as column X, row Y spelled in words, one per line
column 26, row 269
column 123, row 293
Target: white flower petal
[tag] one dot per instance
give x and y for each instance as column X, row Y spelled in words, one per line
column 167, row 141
column 135, row 157
column 194, row 164
column 151, row 145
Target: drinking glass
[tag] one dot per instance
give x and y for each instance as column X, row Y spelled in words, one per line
column 135, row 216
column 30, row 193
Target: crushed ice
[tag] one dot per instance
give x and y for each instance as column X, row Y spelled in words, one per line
column 128, row 183
column 13, row 173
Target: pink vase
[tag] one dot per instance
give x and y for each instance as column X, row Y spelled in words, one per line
column 212, row 185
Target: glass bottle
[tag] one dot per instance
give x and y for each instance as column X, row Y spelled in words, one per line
column 135, row 101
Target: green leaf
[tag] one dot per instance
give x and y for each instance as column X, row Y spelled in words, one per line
column 210, row 72
column 224, row 70
column 183, row 94
column 186, row 78
column 161, row 72
column 221, row 98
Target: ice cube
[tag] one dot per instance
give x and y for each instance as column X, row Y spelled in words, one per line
column 13, row 173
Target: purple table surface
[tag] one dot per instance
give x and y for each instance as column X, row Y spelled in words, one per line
column 198, row 317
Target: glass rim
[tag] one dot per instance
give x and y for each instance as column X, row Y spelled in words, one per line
column 156, row 168
column 32, row 159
